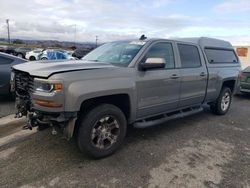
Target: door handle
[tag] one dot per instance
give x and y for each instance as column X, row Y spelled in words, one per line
column 202, row 74
column 174, row 76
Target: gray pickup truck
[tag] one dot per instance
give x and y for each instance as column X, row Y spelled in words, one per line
column 136, row 82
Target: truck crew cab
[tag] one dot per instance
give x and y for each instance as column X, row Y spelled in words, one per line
column 134, row 82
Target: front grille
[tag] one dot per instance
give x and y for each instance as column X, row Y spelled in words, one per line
column 24, row 83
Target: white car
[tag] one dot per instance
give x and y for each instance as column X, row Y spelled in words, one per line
column 52, row 54
column 34, row 54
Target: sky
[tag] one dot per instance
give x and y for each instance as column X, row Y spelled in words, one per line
column 83, row 20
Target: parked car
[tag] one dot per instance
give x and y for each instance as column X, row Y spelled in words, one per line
column 21, row 51
column 55, row 55
column 140, row 83
column 34, row 54
column 245, row 80
column 2, row 48
column 81, row 52
column 6, row 62
column 10, row 50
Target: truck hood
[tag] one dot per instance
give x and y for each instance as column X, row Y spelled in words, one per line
column 47, row 68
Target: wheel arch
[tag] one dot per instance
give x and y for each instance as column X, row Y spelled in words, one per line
column 122, row 101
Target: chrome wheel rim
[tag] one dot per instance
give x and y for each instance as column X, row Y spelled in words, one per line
column 225, row 102
column 105, row 132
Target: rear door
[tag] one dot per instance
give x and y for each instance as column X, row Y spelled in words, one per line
column 193, row 73
column 158, row 89
column 5, row 69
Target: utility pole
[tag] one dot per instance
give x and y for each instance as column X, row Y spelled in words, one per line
column 75, row 36
column 96, row 39
column 8, row 28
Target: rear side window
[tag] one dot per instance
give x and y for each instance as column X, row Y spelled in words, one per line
column 220, row 56
column 4, row 60
column 190, row 57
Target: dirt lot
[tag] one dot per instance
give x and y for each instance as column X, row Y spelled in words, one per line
column 199, row 151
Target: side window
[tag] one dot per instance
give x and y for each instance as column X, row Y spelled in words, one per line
column 162, row 50
column 220, row 56
column 190, row 57
column 4, row 60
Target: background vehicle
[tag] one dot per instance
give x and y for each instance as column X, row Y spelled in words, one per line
column 245, row 80
column 34, row 54
column 21, row 51
column 81, row 52
column 6, row 62
column 55, row 55
column 10, row 50
column 2, row 48
column 140, row 83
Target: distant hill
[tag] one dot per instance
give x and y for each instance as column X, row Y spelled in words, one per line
column 50, row 43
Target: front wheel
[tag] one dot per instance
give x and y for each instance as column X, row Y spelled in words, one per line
column 102, row 131
column 222, row 104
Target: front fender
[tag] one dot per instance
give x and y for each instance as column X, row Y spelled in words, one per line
column 80, row 91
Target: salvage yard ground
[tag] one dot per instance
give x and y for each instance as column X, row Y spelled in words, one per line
column 199, row 151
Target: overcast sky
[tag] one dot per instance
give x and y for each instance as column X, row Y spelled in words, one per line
column 120, row 19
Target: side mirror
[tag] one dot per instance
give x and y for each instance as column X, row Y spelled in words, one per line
column 152, row 63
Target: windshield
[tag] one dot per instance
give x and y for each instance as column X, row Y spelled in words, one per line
column 117, row 53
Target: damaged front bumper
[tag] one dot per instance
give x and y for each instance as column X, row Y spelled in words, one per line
column 65, row 121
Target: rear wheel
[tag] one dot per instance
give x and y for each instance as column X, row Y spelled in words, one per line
column 20, row 55
column 32, row 58
column 222, row 104
column 102, row 131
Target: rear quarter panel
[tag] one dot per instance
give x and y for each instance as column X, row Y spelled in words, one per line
column 218, row 73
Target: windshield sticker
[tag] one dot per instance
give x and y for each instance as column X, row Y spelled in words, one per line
column 138, row 42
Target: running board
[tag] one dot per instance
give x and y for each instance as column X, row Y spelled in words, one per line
column 148, row 122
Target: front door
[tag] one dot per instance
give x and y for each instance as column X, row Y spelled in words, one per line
column 158, row 89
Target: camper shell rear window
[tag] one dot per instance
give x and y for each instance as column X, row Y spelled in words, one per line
column 218, row 55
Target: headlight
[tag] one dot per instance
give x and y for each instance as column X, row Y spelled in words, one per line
column 47, row 87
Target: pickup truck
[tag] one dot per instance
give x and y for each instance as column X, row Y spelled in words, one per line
column 138, row 83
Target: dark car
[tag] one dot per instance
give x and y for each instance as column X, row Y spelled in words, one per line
column 81, row 52
column 2, row 48
column 245, row 80
column 21, row 51
column 6, row 62
column 10, row 50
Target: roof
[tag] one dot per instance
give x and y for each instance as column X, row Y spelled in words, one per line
column 207, row 42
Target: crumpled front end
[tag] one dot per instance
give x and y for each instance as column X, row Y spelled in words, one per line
column 41, row 101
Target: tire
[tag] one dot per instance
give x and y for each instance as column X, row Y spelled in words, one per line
column 32, row 58
column 20, row 55
column 44, row 58
column 102, row 131
column 222, row 104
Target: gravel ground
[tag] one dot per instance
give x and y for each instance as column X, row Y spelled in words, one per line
column 203, row 150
